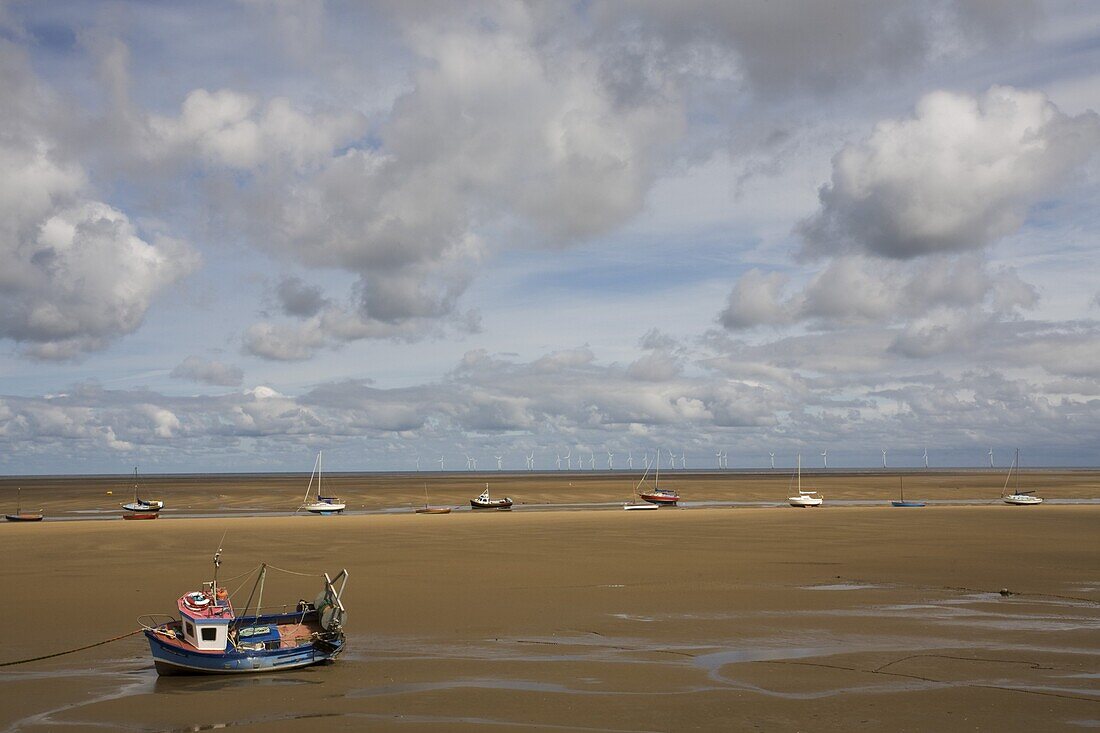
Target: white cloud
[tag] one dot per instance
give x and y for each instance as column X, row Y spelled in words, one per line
column 959, row 174
column 76, row 272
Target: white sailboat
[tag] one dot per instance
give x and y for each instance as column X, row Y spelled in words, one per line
column 139, row 505
column 1017, row 497
column 805, row 497
column 323, row 505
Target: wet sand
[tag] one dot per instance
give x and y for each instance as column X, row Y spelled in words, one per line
column 844, row 618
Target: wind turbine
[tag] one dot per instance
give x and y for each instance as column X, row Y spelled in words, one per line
column 671, row 459
column 884, row 458
column 718, row 455
column 531, row 461
column 610, row 461
column 725, row 459
column 683, row 460
column 772, row 456
column 569, row 460
column 825, row 457
column 559, row 461
column 926, row 458
column 499, row 459
column 645, row 460
column 441, row 463
column 591, row 461
column 991, row 458
column 630, row 460
column 418, row 463
column 470, row 462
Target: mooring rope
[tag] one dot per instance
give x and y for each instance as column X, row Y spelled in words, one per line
column 291, row 572
column 70, row 651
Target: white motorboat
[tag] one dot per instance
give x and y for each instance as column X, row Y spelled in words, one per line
column 1018, row 497
column 322, row 505
column 805, row 497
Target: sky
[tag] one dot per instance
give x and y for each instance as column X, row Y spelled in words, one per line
column 233, row 234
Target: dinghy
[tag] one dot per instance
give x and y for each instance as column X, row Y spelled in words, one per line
column 428, row 509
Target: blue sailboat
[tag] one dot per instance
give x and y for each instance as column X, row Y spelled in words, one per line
column 902, row 502
column 210, row 637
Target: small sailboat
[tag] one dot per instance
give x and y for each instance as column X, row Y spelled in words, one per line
column 140, row 515
column 636, row 502
column 144, row 506
column 658, row 496
column 20, row 515
column 428, row 509
column 805, row 497
column 902, row 501
column 210, row 637
column 487, row 502
column 323, row 505
column 1017, row 497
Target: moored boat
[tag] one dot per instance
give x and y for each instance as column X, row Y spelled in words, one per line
column 902, row 502
column 322, row 505
column 805, row 498
column 487, row 502
column 140, row 515
column 209, row 637
column 20, row 515
column 1018, row 497
column 139, row 504
column 657, row 496
column 428, row 508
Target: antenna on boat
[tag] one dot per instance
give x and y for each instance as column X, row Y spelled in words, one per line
column 217, row 564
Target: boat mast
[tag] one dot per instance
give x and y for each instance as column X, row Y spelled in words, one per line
column 316, row 465
column 19, row 500
column 135, row 484
column 799, row 473
column 1017, row 462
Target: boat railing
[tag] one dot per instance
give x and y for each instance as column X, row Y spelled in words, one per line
column 154, row 621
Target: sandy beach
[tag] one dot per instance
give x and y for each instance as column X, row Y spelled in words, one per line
column 843, row 618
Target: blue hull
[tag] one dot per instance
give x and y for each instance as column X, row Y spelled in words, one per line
column 173, row 658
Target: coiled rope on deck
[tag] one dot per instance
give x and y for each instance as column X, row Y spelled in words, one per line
column 70, row 651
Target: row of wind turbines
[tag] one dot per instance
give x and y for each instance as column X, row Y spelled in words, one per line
column 568, row 459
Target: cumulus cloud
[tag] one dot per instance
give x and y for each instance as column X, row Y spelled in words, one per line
column 208, row 371
column 957, row 175
column 77, row 272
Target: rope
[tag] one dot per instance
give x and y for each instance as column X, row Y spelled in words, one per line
column 69, row 651
column 291, row 572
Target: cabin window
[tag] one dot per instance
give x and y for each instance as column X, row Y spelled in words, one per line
column 190, row 628
column 209, row 633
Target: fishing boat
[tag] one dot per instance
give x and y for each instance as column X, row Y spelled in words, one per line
column 20, row 515
column 139, row 504
column 210, row 637
column 1017, row 497
column 428, row 509
column 322, row 505
column 901, row 501
column 805, row 497
column 658, row 496
column 487, row 502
